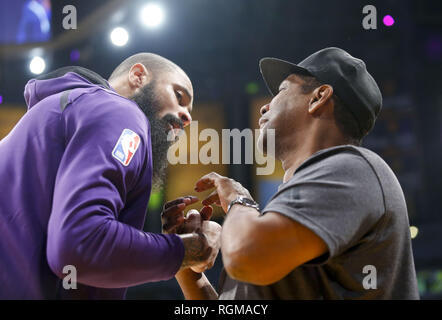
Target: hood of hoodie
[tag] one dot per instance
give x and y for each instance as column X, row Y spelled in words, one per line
column 60, row 80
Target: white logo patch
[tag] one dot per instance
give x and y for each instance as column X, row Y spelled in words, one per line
column 126, row 146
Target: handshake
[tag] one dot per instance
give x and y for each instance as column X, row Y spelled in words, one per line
column 201, row 237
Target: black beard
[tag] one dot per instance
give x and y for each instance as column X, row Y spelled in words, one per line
column 148, row 103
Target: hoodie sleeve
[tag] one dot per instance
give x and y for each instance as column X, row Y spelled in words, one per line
column 98, row 171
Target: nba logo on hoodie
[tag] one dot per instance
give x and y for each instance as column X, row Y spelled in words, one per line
column 126, row 146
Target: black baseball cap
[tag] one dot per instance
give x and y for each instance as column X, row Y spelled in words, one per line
column 347, row 75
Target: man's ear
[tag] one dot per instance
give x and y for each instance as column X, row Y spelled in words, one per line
column 139, row 76
column 321, row 95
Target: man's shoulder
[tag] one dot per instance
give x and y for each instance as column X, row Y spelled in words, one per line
column 104, row 105
column 344, row 158
column 347, row 164
column 359, row 161
column 98, row 96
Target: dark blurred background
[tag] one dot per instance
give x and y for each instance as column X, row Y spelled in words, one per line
column 219, row 43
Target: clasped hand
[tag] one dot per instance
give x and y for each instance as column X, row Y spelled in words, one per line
column 174, row 220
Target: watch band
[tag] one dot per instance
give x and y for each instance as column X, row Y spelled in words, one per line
column 245, row 202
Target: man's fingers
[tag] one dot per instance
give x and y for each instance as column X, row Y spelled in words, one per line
column 187, row 200
column 173, row 210
column 206, row 213
column 173, row 223
column 204, row 184
column 207, row 182
column 171, row 214
column 211, row 199
column 193, row 220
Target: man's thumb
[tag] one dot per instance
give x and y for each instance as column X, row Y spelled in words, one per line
column 194, row 220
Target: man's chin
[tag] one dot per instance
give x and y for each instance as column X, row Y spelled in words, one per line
column 261, row 144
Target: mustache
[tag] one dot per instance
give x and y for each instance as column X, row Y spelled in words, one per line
column 174, row 121
column 171, row 120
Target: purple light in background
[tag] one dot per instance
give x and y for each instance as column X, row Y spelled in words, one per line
column 75, row 55
column 1, row 99
column 388, row 20
column 434, row 47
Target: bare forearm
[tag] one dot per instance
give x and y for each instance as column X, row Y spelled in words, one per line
column 195, row 286
column 236, row 226
column 241, row 248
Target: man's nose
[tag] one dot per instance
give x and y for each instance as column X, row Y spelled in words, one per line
column 264, row 109
column 185, row 117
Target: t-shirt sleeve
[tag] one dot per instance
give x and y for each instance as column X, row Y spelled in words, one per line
column 91, row 188
column 338, row 198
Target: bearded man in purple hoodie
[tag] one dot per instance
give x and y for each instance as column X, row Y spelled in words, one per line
column 77, row 172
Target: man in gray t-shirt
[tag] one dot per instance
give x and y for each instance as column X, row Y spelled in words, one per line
column 337, row 228
column 351, row 199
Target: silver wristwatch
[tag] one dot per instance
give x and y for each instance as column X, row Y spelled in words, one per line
column 245, row 202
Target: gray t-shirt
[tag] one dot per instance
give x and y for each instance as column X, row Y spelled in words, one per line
column 352, row 200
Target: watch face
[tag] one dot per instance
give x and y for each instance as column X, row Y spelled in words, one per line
column 248, row 201
column 245, row 202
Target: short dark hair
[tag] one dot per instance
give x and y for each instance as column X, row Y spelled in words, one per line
column 151, row 61
column 345, row 120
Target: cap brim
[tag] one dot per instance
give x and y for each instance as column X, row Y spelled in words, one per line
column 274, row 71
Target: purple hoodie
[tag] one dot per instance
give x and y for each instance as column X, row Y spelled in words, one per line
column 74, row 191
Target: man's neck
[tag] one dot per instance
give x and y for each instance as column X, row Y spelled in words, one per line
column 293, row 158
column 121, row 87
